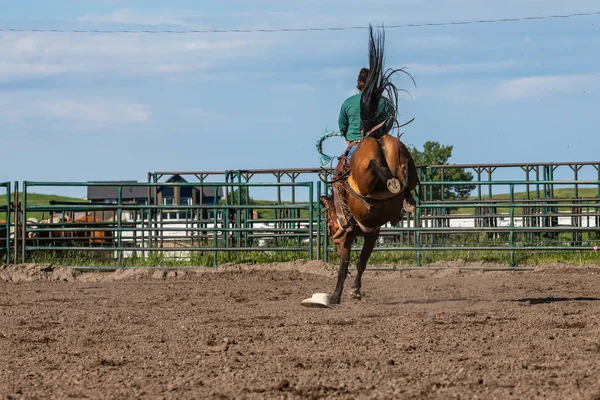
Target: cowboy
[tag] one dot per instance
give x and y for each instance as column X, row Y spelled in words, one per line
column 350, row 121
column 351, row 128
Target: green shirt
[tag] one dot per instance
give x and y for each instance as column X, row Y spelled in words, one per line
column 349, row 121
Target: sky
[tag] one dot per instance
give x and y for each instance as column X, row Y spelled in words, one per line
column 86, row 106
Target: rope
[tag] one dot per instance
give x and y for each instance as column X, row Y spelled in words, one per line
column 324, row 158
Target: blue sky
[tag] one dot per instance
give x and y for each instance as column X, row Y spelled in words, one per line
column 84, row 107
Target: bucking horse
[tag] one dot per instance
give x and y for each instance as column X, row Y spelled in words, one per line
column 380, row 176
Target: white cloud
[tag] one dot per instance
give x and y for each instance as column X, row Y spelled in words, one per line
column 292, row 87
column 437, row 69
column 434, row 69
column 22, row 70
column 436, row 41
column 95, row 112
column 542, row 86
column 35, row 104
column 342, row 71
column 509, row 90
column 25, row 56
column 458, row 93
column 216, row 45
column 128, row 16
column 201, row 113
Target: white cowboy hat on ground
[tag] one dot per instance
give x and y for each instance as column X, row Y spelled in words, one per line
column 318, row 300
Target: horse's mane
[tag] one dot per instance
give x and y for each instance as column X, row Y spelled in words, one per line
column 379, row 84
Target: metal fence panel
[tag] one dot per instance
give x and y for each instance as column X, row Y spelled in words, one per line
column 554, row 206
column 5, row 222
column 135, row 231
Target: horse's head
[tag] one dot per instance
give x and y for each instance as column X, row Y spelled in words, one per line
column 332, row 223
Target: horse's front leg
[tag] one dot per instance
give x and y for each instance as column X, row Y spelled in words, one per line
column 369, row 245
column 344, row 247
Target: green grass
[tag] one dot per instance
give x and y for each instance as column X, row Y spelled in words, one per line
column 160, row 259
column 38, row 198
column 560, row 193
column 41, row 199
column 378, row 258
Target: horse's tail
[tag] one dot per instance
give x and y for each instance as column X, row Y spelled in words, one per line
column 379, row 86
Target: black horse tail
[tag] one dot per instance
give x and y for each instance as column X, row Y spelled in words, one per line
column 378, row 86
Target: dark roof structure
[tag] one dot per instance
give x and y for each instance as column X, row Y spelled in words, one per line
column 112, row 192
column 141, row 192
column 207, row 191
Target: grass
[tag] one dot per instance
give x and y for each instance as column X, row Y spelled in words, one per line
column 41, row 199
column 160, row 259
column 378, row 258
column 38, row 198
column 559, row 193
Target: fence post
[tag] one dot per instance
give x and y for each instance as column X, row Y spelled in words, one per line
column 418, row 235
column 310, row 219
column 24, row 214
column 7, row 238
column 119, row 232
column 17, row 222
column 318, row 204
column 215, row 232
column 511, row 241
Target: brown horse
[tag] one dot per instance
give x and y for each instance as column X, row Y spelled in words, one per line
column 382, row 172
column 92, row 237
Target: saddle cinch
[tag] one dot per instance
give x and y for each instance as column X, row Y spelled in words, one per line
column 381, row 169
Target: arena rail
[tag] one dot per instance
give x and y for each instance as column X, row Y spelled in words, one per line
column 544, row 224
column 534, row 214
column 132, row 231
column 5, row 225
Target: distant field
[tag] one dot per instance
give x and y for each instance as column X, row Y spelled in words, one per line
column 561, row 193
column 41, row 199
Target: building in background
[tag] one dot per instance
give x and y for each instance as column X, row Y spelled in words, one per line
column 165, row 195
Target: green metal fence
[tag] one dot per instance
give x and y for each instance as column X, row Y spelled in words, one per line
column 509, row 225
column 5, row 222
column 126, row 232
column 506, row 217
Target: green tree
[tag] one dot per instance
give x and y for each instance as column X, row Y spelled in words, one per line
column 240, row 196
column 435, row 153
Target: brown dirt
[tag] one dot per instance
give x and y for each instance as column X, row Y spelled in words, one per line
column 240, row 332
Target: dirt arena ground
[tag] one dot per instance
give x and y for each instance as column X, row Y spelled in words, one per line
column 240, row 332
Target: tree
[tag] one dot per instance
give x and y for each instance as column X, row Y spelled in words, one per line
column 435, row 153
column 240, row 196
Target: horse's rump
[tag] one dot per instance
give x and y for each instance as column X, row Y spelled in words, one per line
column 375, row 162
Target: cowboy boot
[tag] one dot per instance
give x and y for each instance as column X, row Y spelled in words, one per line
column 339, row 202
column 409, row 204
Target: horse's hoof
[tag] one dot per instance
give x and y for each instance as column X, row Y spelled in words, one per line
column 334, row 300
column 394, row 186
column 356, row 296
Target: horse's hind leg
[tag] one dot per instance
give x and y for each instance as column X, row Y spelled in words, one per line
column 386, row 176
column 345, row 246
column 369, row 245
